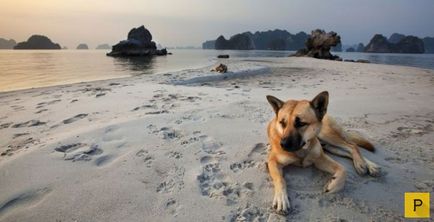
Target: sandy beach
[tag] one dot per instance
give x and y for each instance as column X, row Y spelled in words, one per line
column 192, row 145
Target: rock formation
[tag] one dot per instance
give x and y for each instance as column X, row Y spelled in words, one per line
column 268, row 40
column 318, row 45
column 429, row 44
column 7, row 44
column 237, row 42
column 408, row 44
column 379, row 44
column 37, row 42
column 82, row 46
column 138, row 43
column 103, row 46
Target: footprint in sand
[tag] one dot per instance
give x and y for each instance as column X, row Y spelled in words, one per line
column 250, row 213
column 147, row 158
column 75, row 118
column 79, row 151
column 30, row 123
column 5, row 125
column 171, row 206
column 174, row 154
column 23, row 200
column 255, row 158
column 174, row 181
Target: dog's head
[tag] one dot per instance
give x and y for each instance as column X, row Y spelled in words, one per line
column 298, row 121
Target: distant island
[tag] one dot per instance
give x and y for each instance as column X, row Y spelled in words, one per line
column 103, row 46
column 139, row 43
column 397, row 43
column 82, row 46
column 37, row 42
column 7, row 44
column 283, row 40
column 262, row 40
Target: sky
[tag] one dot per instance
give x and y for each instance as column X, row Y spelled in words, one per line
column 190, row 22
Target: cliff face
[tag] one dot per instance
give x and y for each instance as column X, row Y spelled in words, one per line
column 268, row 40
column 407, row 44
column 7, row 44
column 37, row 42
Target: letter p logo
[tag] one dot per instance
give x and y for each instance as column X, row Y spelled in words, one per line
column 416, row 205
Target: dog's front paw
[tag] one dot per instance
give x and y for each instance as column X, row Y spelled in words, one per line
column 281, row 203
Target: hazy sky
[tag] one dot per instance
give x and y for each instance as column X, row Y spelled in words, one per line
column 190, row 22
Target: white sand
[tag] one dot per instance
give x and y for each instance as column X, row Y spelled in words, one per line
column 191, row 145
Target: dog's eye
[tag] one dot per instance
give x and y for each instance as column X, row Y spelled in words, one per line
column 298, row 123
column 282, row 123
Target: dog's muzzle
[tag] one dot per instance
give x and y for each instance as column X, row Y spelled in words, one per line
column 292, row 143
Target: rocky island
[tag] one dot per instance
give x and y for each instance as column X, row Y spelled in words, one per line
column 395, row 44
column 37, row 42
column 7, row 44
column 82, row 46
column 139, row 43
column 267, row 40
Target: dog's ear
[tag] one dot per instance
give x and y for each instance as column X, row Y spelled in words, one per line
column 275, row 103
column 320, row 103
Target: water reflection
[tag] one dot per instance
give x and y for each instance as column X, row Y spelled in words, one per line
column 138, row 65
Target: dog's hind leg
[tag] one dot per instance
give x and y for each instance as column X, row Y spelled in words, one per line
column 335, row 139
column 373, row 169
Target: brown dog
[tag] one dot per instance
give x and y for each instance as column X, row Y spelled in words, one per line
column 295, row 135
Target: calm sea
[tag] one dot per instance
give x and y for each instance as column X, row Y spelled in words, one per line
column 28, row 69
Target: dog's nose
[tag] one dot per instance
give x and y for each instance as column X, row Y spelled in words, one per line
column 285, row 142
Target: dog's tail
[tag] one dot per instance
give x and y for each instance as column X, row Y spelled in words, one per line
column 360, row 140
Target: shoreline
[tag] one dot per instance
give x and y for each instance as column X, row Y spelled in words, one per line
column 141, row 147
column 199, row 68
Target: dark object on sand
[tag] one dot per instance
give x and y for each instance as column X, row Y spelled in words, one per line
column 363, row 61
column 139, row 43
column 37, row 42
column 221, row 68
column 318, row 45
column 223, row 56
column 349, row 60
